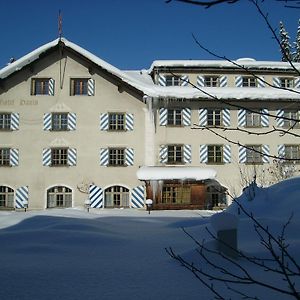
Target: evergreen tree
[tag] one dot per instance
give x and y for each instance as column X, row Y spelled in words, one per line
column 296, row 54
column 285, row 46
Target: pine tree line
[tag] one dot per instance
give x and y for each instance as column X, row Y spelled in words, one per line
column 289, row 52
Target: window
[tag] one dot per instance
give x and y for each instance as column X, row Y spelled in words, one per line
column 59, row 196
column 79, row 86
column 214, row 154
column 116, row 121
column 254, row 154
column 59, row 121
column 176, row 194
column 211, row 81
column 292, row 152
column 286, row 82
column 174, row 117
column 59, row 156
column 5, row 121
column 253, row 119
column 175, row 154
column 214, row 117
column 172, row 80
column 295, row 119
column 116, row 196
column 249, row 82
column 116, row 156
column 6, row 197
column 42, row 86
column 4, row 157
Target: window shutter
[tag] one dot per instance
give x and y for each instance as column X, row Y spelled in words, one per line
column 203, row 154
column 227, row 154
column 163, row 116
column 223, row 81
column 281, row 151
column 162, row 80
column 163, row 154
column 95, row 196
column 15, row 121
column 279, row 120
column 51, row 87
column 91, row 87
column 186, row 116
column 242, row 154
column 266, row 153
column 72, row 156
column 138, row 197
column 104, row 121
column 47, row 121
column 47, row 157
column 200, row 81
column 72, row 121
column 14, row 157
column 297, row 83
column 238, row 81
column 129, row 156
column 260, row 81
column 187, row 154
column 276, row 82
column 202, row 117
column 265, row 118
column 22, row 197
column 242, row 117
column 104, row 157
column 226, row 117
column 184, row 80
column 129, row 122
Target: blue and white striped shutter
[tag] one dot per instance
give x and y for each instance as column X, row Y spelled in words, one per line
column 184, row 80
column 202, row 117
column 238, row 81
column 242, row 117
column 265, row 117
column 162, row 80
column 223, row 81
column 47, row 157
column 163, row 154
column 22, row 197
column 187, row 154
column 203, row 154
column 260, row 81
column 227, row 154
column 72, row 121
column 276, row 82
column 47, row 121
column 72, row 156
column 163, row 115
column 51, row 87
column 200, row 81
column 15, row 121
column 95, row 196
column 279, row 116
column 138, row 197
column 226, row 117
column 186, row 116
column 91, row 87
column 104, row 121
column 104, row 157
column 129, row 156
column 129, row 122
column 242, row 154
column 266, row 153
column 14, row 157
column 281, row 151
column 297, row 83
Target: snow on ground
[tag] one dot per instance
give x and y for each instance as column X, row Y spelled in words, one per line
column 120, row 254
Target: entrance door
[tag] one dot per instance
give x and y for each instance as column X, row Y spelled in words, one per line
column 116, row 197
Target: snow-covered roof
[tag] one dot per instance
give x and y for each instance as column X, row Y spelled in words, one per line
column 173, row 173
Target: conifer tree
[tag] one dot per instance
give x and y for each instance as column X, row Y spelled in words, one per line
column 296, row 54
column 285, row 46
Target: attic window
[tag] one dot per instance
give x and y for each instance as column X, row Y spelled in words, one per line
column 42, row 86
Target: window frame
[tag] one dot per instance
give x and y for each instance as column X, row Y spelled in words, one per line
column 172, row 80
column 291, row 114
column 214, row 116
column 174, row 117
column 175, row 154
column 117, row 157
column 211, row 81
column 286, row 82
column 292, row 153
column 215, row 154
column 5, row 157
column 83, row 86
column 59, row 157
column 40, row 86
column 176, row 194
column 249, row 81
column 254, row 157
column 119, row 124
column 59, row 124
column 7, row 195
column 5, row 121
column 253, row 119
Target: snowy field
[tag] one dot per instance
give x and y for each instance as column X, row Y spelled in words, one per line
column 120, row 254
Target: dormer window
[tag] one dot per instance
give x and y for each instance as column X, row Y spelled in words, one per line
column 249, row 82
column 172, row 80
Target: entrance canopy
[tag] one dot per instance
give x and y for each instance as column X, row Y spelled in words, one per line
column 175, row 173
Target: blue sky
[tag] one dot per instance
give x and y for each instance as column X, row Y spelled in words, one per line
column 130, row 34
